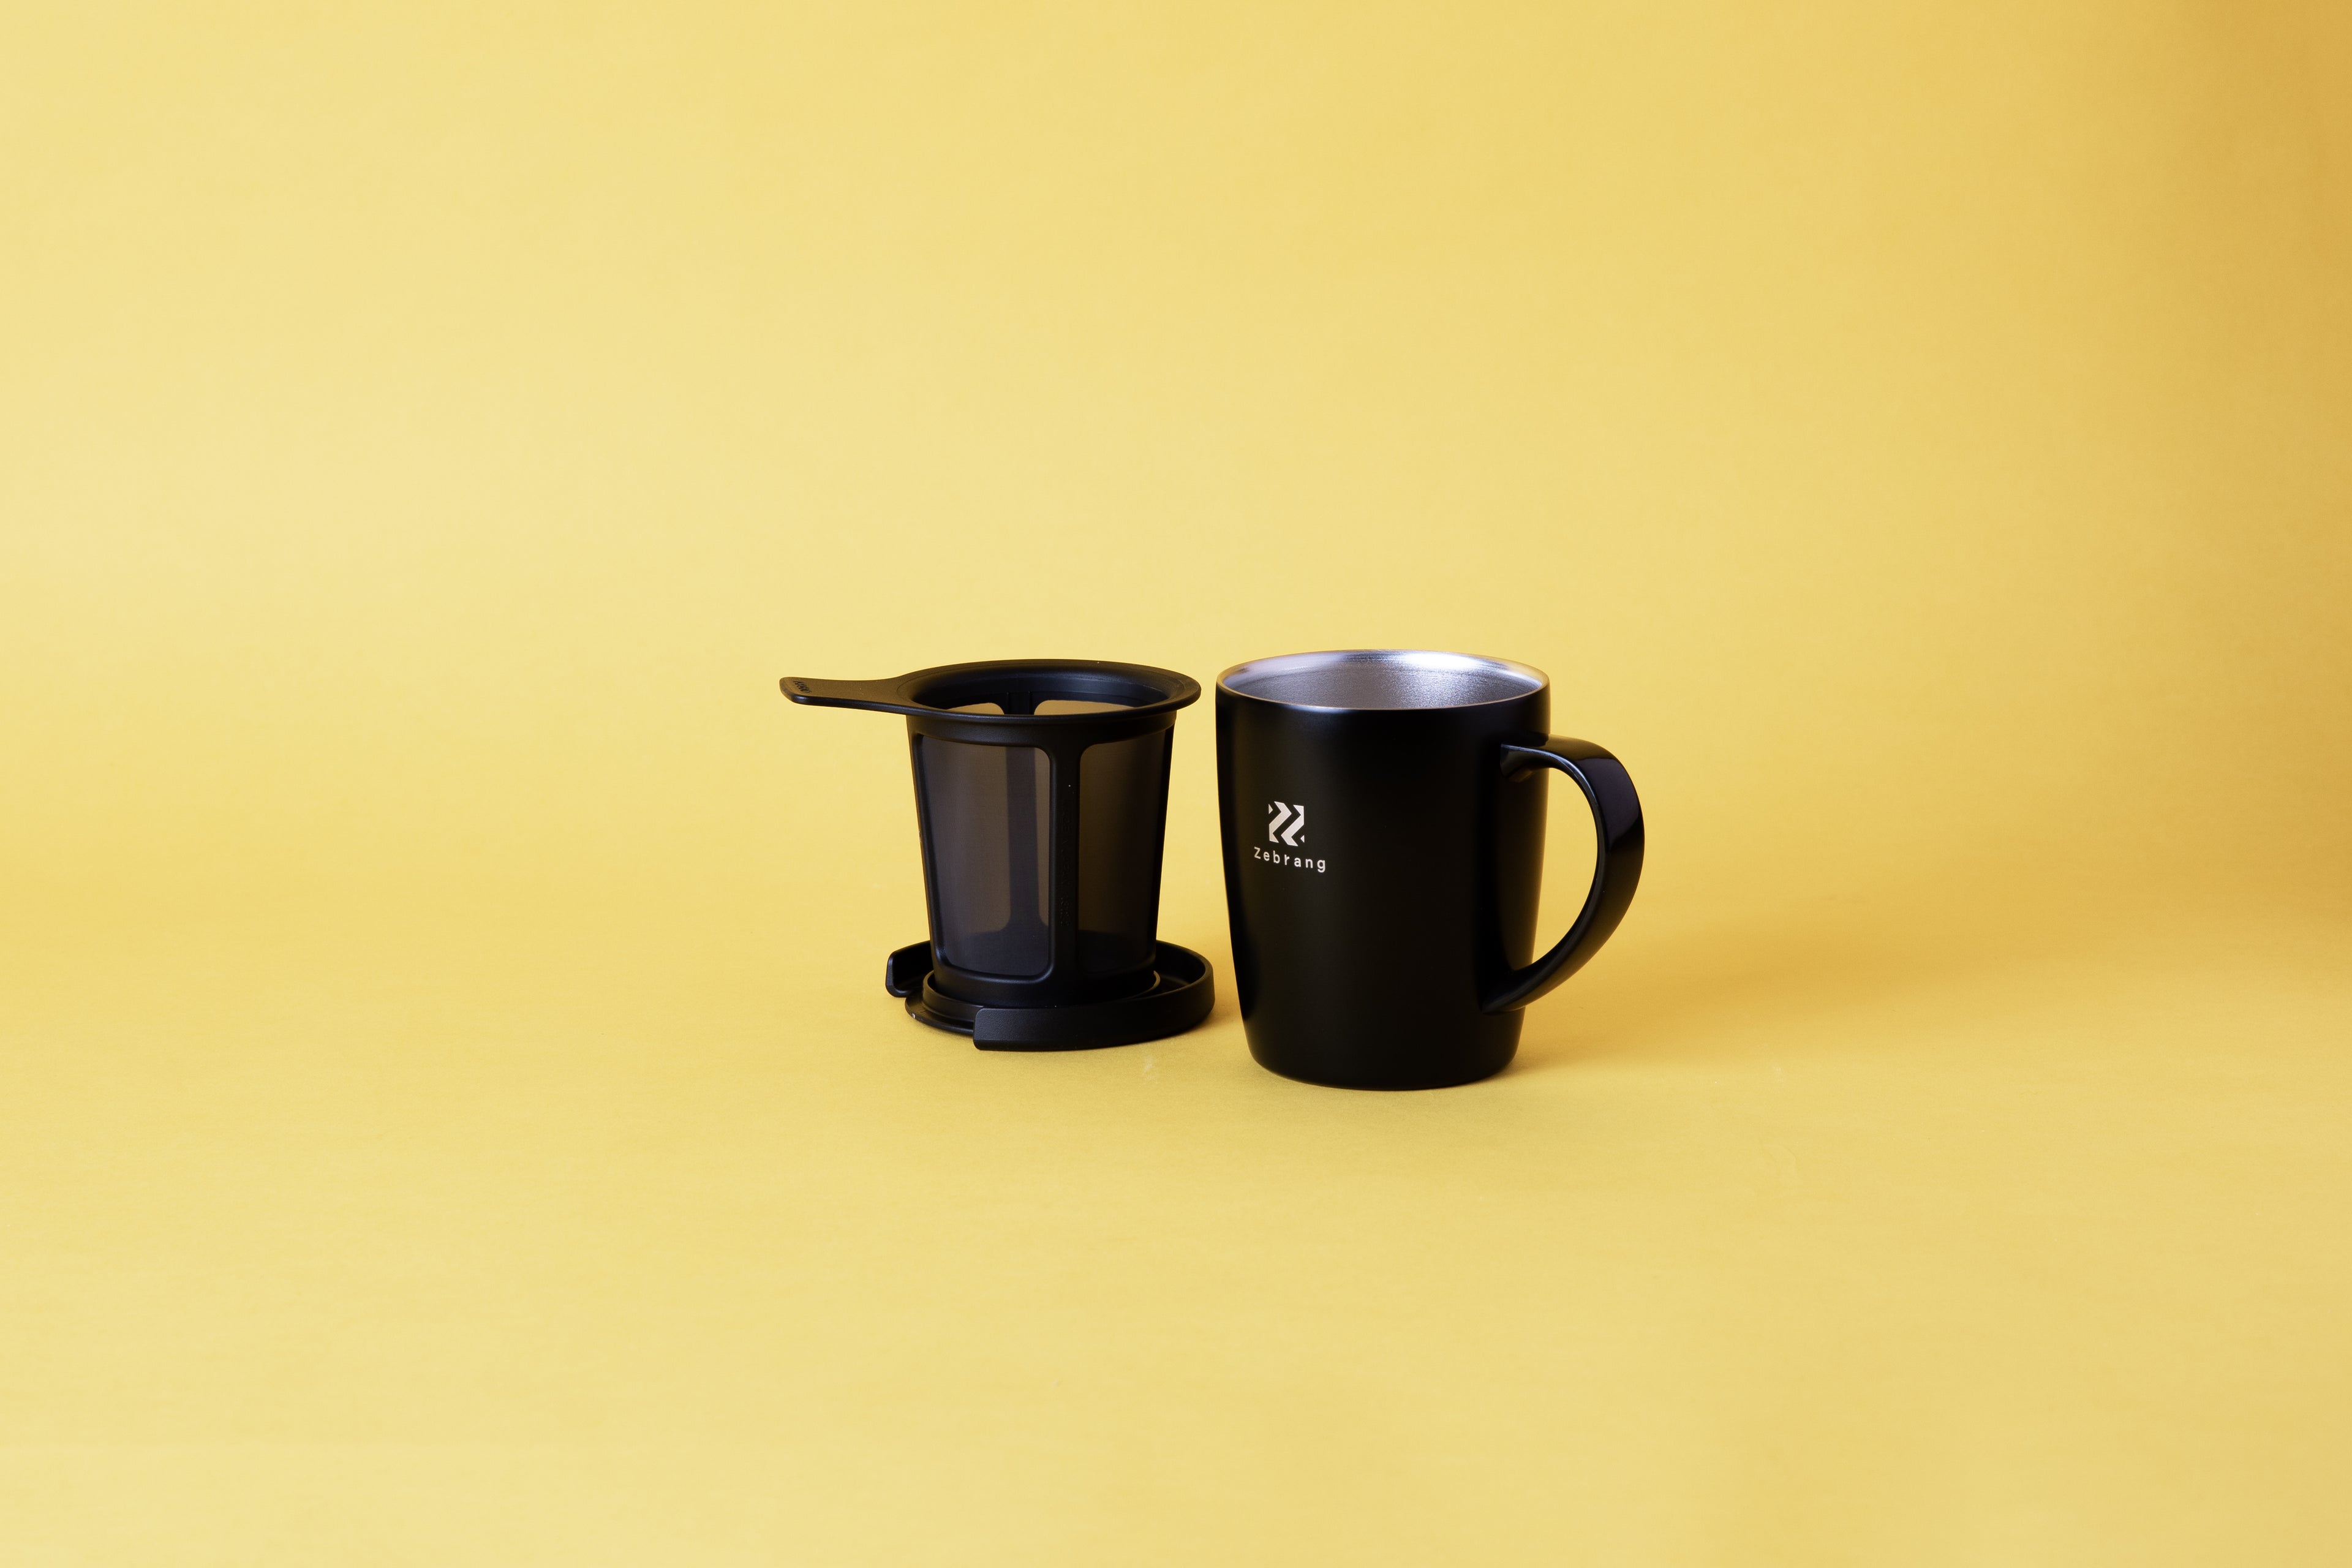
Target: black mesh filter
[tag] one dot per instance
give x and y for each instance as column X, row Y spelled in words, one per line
column 1122, row 813
column 988, row 814
column 1042, row 789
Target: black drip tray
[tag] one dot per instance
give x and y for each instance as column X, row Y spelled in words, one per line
column 1182, row 991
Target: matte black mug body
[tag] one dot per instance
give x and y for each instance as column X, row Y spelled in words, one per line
column 1383, row 826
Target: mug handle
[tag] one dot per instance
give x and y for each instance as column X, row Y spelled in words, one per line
column 1617, row 861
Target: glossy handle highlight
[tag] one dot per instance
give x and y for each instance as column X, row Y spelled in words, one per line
column 1617, row 861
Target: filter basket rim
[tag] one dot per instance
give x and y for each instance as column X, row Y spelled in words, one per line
column 945, row 690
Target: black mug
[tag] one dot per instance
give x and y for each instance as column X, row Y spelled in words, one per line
column 1383, row 817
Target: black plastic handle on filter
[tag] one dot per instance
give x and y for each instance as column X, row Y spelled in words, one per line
column 879, row 696
column 1617, row 869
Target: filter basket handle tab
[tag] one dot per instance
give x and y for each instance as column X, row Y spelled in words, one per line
column 881, row 696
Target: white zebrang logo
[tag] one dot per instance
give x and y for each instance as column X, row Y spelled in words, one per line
column 1286, row 826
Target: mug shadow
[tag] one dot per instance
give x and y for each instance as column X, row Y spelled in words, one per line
column 1698, row 992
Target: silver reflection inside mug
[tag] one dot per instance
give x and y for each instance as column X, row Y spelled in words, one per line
column 1382, row 677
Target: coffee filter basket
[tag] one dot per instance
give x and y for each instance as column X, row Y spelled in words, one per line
column 1041, row 789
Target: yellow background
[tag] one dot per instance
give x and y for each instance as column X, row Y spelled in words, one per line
column 448, row 1111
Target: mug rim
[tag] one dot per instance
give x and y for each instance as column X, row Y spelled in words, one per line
column 1431, row 661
